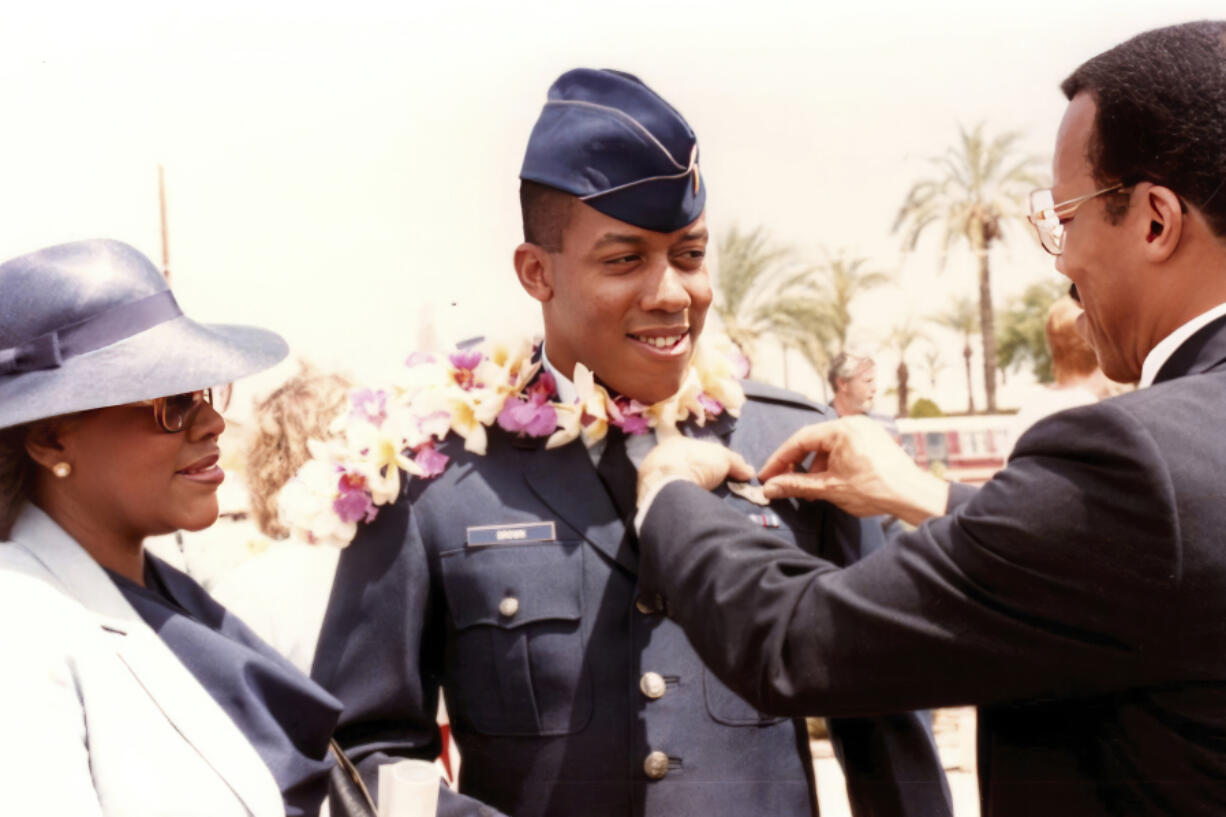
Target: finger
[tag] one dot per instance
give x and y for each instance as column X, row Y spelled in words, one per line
column 797, row 447
column 821, row 462
column 796, row 486
column 738, row 468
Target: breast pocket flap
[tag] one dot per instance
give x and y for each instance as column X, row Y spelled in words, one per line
column 513, row 585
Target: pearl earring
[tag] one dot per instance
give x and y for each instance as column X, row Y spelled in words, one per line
column 61, row 469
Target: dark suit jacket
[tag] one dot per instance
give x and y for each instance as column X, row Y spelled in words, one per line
column 540, row 638
column 1079, row 598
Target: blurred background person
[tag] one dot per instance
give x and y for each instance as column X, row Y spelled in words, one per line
column 1078, row 380
column 282, row 592
column 853, row 382
column 129, row 691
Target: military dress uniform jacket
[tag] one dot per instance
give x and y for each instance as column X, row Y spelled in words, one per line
column 1079, row 598
column 511, row 581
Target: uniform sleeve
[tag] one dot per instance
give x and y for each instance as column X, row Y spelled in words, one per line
column 44, row 754
column 380, row 652
column 1056, row 578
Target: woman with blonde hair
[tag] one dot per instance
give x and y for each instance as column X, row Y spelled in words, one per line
column 282, row 593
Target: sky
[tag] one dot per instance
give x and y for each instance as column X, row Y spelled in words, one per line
column 346, row 174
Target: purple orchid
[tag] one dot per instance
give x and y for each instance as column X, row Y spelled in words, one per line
column 532, row 417
column 431, row 462
column 369, row 405
column 710, row 405
column 544, row 388
column 629, row 416
column 465, row 364
column 353, row 504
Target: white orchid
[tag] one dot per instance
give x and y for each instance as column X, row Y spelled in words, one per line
column 358, row 468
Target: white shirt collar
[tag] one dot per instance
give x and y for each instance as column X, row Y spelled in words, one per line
column 567, row 393
column 1166, row 347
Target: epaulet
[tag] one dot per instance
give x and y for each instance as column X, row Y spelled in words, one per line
column 773, row 394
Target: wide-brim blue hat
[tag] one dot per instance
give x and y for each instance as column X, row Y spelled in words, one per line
column 93, row 324
column 606, row 138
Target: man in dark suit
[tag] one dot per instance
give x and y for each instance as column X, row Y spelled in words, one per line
column 511, row 579
column 1080, row 596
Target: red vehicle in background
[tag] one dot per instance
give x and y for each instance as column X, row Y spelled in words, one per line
column 965, row 449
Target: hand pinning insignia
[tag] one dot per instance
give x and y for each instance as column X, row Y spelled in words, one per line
column 753, row 493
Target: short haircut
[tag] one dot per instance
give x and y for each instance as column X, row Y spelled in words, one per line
column 546, row 213
column 1071, row 354
column 1161, row 115
column 845, row 365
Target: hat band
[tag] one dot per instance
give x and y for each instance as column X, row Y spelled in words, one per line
column 49, row 351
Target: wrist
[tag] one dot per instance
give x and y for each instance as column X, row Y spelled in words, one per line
column 651, row 480
column 922, row 497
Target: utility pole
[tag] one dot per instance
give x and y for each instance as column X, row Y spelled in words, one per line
column 165, row 231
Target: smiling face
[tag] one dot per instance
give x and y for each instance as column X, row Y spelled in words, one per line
column 130, row 479
column 1103, row 259
column 627, row 302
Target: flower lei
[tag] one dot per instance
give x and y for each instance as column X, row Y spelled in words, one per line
column 397, row 427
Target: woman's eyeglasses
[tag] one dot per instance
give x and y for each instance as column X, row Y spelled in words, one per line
column 175, row 411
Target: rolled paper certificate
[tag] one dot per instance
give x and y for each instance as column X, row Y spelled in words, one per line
column 408, row 788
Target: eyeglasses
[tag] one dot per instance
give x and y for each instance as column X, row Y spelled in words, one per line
column 1049, row 218
column 175, row 411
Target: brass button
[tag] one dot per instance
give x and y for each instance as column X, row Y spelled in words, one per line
column 508, row 606
column 647, row 605
column 656, row 765
column 652, row 685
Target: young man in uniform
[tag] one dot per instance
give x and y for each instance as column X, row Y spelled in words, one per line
column 511, row 579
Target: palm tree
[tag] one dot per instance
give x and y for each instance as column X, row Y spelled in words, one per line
column 804, row 322
column 962, row 316
column 753, row 270
column 841, row 278
column 900, row 340
column 977, row 186
column 933, row 364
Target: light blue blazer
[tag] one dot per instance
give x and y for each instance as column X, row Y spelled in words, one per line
column 99, row 717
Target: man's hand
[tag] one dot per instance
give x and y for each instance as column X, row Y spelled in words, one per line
column 706, row 463
column 857, row 466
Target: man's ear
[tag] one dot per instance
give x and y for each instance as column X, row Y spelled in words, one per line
column 534, row 266
column 1166, row 220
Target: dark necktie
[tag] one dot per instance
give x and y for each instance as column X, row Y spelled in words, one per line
column 619, row 475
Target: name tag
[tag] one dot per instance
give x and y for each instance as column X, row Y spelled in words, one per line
column 487, row 535
column 766, row 519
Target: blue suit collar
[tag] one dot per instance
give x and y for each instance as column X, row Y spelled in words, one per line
column 1205, row 350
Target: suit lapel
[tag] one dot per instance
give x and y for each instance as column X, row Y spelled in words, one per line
column 1205, row 350
column 565, row 480
column 198, row 718
column 173, row 689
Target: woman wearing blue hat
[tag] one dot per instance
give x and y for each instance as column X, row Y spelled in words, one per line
column 126, row 689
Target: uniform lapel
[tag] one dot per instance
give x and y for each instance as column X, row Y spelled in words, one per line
column 173, row 689
column 721, row 427
column 565, row 480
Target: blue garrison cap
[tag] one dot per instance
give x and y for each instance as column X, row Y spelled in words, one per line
column 608, row 139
